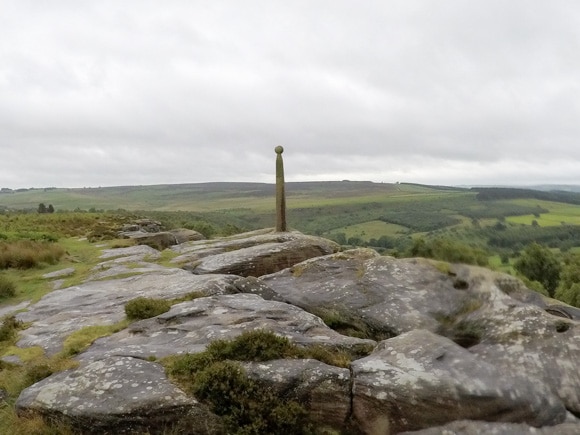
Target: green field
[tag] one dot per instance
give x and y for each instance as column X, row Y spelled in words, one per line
column 560, row 214
column 206, row 197
column 370, row 230
column 502, row 220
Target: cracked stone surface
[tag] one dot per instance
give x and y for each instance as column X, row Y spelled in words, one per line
column 387, row 295
column 324, row 388
column 490, row 428
column 64, row 311
column 420, row 379
column 456, row 342
column 119, row 394
column 254, row 255
column 189, row 326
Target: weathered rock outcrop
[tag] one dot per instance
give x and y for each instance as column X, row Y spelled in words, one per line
column 163, row 239
column 64, row 311
column 362, row 290
column 190, row 326
column 419, row 379
column 456, row 342
column 470, row 305
column 255, row 255
column 482, row 427
column 325, row 389
column 124, row 395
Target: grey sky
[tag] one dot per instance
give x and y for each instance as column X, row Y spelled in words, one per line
column 100, row 93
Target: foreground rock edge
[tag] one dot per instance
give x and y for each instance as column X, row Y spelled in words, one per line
column 310, row 262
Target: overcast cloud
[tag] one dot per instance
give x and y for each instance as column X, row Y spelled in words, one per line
column 102, row 93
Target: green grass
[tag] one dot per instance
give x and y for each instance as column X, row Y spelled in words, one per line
column 496, row 264
column 80, row 340
column 559, row 213
column 371, row 229
column 211, row 196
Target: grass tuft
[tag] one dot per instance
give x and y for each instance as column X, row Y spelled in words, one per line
column 145, row 308
column 7, row 287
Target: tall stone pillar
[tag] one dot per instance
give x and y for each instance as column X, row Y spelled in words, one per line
column 280, row 193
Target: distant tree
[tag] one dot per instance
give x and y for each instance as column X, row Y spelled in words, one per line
column 538, row 263
column 420, row 248
column 386, row 242
column 444, row 249
column 569, row 287
column 41, row 208
column 569, row 295
column 340, row 238
column 505, row 258
column 499, row 226
column 50, row 209
column 355, row 241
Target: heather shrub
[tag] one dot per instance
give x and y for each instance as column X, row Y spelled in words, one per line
column 7, row 287
column 8, row 328
column 145, row 308
column 245, row 405
column 26, row 254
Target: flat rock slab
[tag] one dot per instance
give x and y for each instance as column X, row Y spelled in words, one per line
column 386, row 295
column 130, row 254
column 115, row 269
column 114, row 394
column 252, row 254
column 60, row 273
column 237, row 241
column 163, row 239
column 545, row 347
column 64, row 311
column 420, row 379
column 190, row 326
column 483, row 427
column 7, row 310
column 266, row 258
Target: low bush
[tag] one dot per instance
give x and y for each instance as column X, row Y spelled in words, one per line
column 7, row 287
column 258, row 345
column 247, row 407
column 37, row 372
column 9, row 327
column 26, row 254
column 449, row 250
column 145, row 308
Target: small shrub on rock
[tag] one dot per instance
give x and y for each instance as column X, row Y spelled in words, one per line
column 258, row 345
column 7, row 288
column 145, row 308
column 246, row 407
column 8, row 327
column 37, row 372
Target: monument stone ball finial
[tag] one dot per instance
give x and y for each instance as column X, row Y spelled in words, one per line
column 280, row 194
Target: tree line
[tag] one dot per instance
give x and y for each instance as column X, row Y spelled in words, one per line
column 44, row 209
